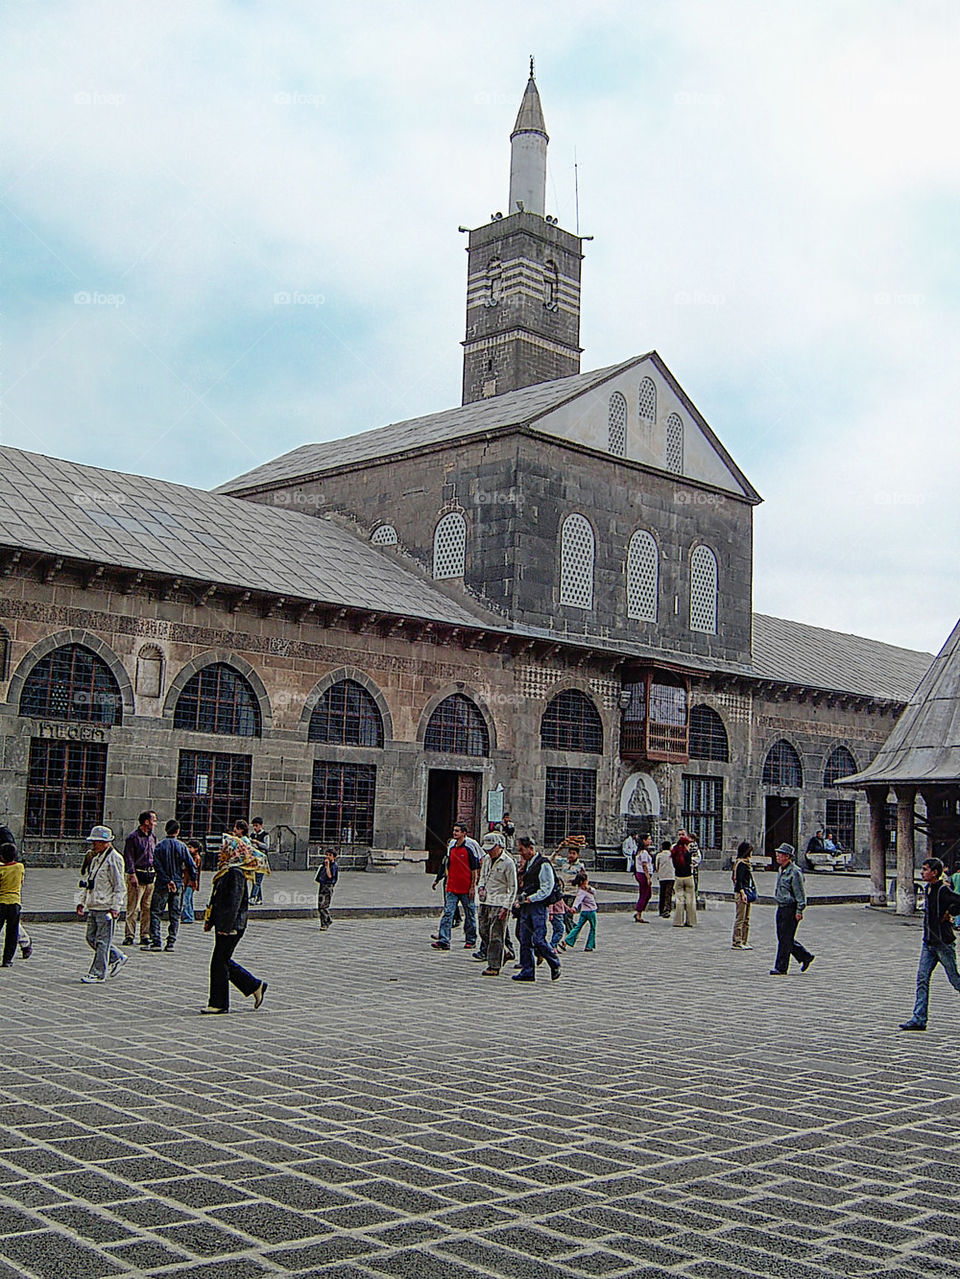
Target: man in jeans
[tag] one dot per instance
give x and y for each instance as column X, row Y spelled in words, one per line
column 100, row 902
column 538, row 886
column 940, row 906
column 497, row 893
column 169, row 859
column 138, row 866
column 791, row 899
column 461, row 866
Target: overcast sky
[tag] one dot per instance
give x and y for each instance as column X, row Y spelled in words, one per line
column 773, row 191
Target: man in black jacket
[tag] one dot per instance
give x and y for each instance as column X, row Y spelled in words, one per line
column 939, row 939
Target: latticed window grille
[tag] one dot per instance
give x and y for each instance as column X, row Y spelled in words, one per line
column 458, row 728
column 572, row 723
column 647, row 401
column 643, row 577
column 72, row 683
column 708, row 737
column 218, row 700
column 385, row 535
column 213, row 792
column 342, row 803
column 450, row 546
column 576, row 562
column 840, row 764
column 346, row 715
column 703, row 590
column 841, row 822
column 66, row 783
column 782, row 766
column 674, row 456
column 617, row 423
column 702, row 813
column 570, row 806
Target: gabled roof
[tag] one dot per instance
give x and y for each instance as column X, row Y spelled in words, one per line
column 811, row 656
column 924, row 746
column 500, row 413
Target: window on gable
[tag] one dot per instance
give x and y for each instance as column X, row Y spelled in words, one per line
column 647, row 401
column 617, row 425
column 674, row 450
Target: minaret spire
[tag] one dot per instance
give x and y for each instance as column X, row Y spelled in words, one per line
column 528, row 154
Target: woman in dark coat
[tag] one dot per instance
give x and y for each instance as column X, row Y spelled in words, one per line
column 226, row 914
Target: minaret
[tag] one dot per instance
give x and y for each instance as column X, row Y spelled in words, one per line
column 523, row 278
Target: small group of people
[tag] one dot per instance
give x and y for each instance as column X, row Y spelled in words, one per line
column 676, row 868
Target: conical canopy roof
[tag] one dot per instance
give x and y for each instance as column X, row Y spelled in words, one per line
column 530, row 116
column 924, row 745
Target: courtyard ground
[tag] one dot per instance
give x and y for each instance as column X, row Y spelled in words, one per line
column 666, row 1108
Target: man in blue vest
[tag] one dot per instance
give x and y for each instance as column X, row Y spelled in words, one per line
column 539, row 888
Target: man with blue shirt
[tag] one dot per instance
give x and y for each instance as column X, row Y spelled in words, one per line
column 538, row 889
column 940, row 904
column 791, row 899
column 169, row 858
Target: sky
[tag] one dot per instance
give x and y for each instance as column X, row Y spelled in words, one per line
column 230, row 228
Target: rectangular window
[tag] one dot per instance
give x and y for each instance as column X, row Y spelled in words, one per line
column 571, row 804
column 841, row 819
column 702, row 814
column 66, row 783
column 341, row 808
column 213, row 791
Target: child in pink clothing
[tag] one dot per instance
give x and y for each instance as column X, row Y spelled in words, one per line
column 586, row 903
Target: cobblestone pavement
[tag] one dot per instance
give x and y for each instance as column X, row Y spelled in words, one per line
column 666, row 1108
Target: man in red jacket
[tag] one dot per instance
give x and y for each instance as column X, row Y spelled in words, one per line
column 460, row 866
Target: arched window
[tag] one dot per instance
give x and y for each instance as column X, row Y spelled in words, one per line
column 457, row 728
column 617, row 425
column 572, row 723
column 384, row 535
column 450, row 546
column 149, row 671
column 551, row 285
column 494, row 279
column 703, row 590
column 643, row 577
column 708, row 737
column 218, row 700
column 782, row 766
column 346, row 715
column 840, row 764
column 674, row 451
column 576, row 562
column 72, row 683
column 647, row 401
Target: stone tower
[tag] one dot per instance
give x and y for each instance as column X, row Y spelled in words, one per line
column 523, row 278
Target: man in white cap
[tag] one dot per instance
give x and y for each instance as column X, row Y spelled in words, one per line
column 102, row 894
column 496, row 891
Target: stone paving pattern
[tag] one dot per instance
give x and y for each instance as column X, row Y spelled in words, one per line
column 666, row 1108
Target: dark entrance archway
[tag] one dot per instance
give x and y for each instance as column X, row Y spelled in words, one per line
column 451, row 796
column 781, row 824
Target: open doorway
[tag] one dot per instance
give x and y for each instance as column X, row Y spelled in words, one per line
column 780, row 825
column 451, row 796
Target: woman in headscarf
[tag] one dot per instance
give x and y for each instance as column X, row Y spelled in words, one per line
column 226, row 914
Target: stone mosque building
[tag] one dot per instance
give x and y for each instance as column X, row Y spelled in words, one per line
column 540, row 600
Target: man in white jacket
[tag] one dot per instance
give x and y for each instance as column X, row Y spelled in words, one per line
column 102, row 894
column 497, row 891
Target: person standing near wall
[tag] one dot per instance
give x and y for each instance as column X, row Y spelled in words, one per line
column 138, row 864
column 685, row 911
column 666, row 875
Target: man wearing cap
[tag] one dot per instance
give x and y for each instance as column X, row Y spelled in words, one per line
column 791, row 902
column 496, row 892
column 102, row 892
column 538, row 888
column 684, row 888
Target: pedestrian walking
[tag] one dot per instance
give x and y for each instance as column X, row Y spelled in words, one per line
column 685, row 910
column 539, row 887
column 496, row 893
column 643, row 874
column 260, row 839
column 460, row 869
column 791, row 902
column 586, row 903
column 100, row 901
column 745, row 894
column 666, row 876
column 191, row 880
column 940, row 905
column 170, row 857
column 141, row 876
column 226, row 914
column 326, row 881
column 23, row 937
column 629, row 850
column 11, row 888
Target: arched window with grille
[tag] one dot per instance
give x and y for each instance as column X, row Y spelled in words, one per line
column 384, row 535
column 674, row 447
column 782, row 766
column 576, row 562
column 450, row 546
column 647, row 401
column 708, row 737
column 643, row 577
column 346, row 715
column 617, row 425
column 703, row 590
column 457, row 727
column 840, row 763
column 218, row 699
column 572, row 723
column 72, row 683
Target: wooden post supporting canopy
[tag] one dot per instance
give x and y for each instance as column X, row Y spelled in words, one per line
column 877, row 799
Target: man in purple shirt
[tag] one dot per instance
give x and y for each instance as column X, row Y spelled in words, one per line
column 139, row 869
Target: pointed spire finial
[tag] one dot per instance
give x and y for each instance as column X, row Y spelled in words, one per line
column 531, row 66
